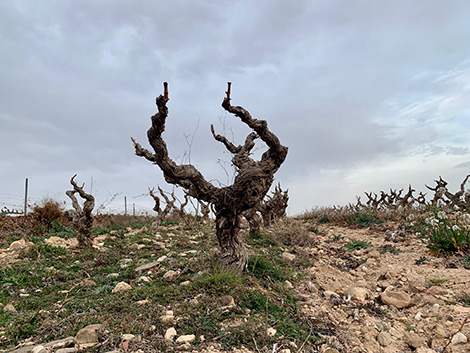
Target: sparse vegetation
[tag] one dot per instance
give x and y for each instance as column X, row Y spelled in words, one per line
column 56, row 299
column 292, row 266
column 357, row 245
column 45, row 213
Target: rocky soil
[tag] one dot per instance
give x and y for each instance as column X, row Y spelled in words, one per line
column 400, row 299
column 391, row 297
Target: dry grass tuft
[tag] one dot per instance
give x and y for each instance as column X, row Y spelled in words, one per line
column 292, row 232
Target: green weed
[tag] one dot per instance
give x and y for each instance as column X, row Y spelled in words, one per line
column 365, row 219
column 357, row 245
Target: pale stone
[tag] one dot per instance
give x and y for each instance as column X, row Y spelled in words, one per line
column 425, row 350
column 357, row 293
column 396, row 298
column 170, row 275
column 128, row 337
column 121, row 287
column 459, row 338
column 162, row 258
column 328, row 294
column 330, row 350
column 144, row 279
column 39, row 349
column 186, row 339
column 288, row 256
column 60, row 343
column 288, row 284
column 67, row 350
column 271, row 332
column 147, row 266
column 311, row 287
column 384, row 339
column 10, row 308
column 202, row 338
column 185, row 283
column 61, row 242
column 434, row 308
column 88, row 283
column 124, row 263
column 88, row 336
column 414, row 340
column 227, row 300
column 167, row 317
column 170, row 334
column 20, row 244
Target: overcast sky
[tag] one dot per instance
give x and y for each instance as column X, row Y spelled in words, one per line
column 367, row 95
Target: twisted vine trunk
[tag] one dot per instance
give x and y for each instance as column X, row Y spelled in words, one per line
column 82, row 217
column 234, row 254
column 252, row 182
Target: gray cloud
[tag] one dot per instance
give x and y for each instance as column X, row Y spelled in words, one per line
column 343, row 84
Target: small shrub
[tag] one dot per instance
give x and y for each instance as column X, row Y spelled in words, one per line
column 365, row 219
column 448, row 239
column 47, row 212
column 357, row 245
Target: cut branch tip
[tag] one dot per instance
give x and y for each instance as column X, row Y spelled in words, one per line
column 165, row 90
column 229, row 85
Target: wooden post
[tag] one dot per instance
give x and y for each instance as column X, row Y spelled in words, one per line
column 125, row 205
column 26, row 197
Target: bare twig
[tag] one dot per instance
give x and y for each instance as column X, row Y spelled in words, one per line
column 456, row 332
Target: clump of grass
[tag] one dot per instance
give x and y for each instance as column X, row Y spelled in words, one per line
column 264, row 267
column 336, row 237
column 390, row 249
column 445, row 233
column 261, row 239
column 357, row 245
column 421, row 260
column 324, row 220
column 365, row 219
column 314, row 230
column 465, row 261
column 292, row 232
column 448, row 239
column 437, row 281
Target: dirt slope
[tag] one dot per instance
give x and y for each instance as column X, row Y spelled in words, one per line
column 350, row 301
